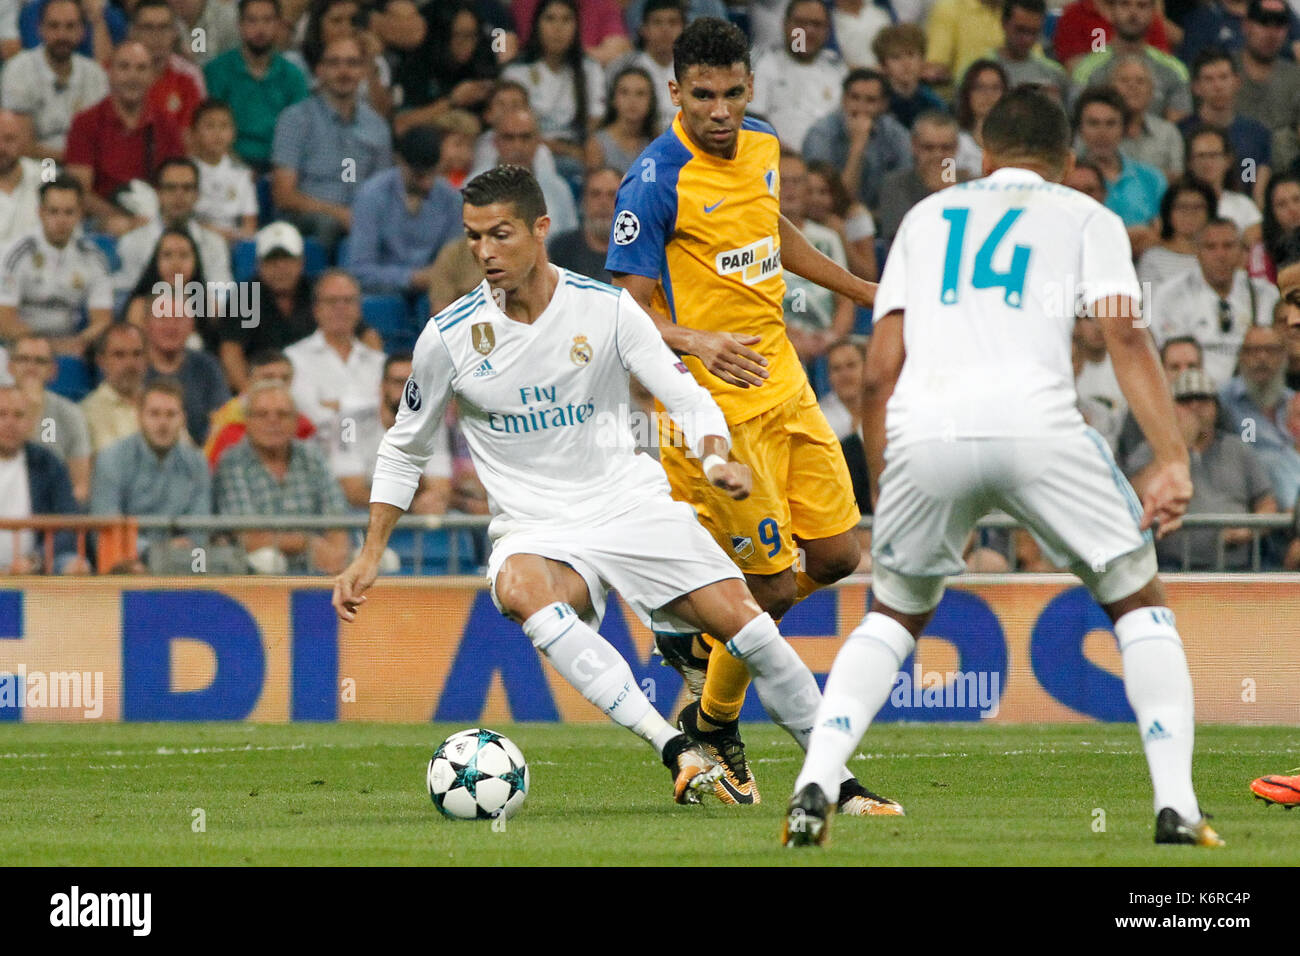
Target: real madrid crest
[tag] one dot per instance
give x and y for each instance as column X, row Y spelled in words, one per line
column 38, row 260
column 77, row 281
column 485, row 339
column 581, row 352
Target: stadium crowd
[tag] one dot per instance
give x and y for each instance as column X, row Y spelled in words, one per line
column 225, row 223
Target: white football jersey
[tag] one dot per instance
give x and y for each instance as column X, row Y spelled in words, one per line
column 988, row 274
column 543, row 406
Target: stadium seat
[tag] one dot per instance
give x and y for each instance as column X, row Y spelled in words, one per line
column 862, row 321
column 423, row 312
column 387, row 315
column 315, row 259
column 341, row 252
column 434, row 556
column 243, row 260
column 73, row 379
column 1049, row 32
column 108, row 245
column 265, row 205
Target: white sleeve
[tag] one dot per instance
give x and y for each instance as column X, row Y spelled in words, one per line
column 1107, row 259
column 891, row 294
column 411, row 442
column 439, row 464
column 645, row 354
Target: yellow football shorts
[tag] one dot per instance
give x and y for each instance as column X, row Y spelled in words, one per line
column 801, row 485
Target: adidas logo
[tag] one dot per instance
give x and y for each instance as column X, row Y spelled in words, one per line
column 1155, row 732
column 484, row 370
column 840, row 723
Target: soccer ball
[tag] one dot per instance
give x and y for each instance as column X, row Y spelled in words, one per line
column 478, row 775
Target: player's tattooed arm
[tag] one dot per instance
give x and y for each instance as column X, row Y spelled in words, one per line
column 725, row 354
column 803, row 259
column 885, row 356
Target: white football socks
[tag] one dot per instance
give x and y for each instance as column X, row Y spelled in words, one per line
column 1159, row 689
column 597, row 671
column 858, row 686
column 783, row 681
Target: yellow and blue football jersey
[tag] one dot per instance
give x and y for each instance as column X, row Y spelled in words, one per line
column 707, row 229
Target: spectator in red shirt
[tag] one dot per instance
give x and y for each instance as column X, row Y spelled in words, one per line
column 1075, row 35
column 179, row 86
column 604, row 34
column 119, row 139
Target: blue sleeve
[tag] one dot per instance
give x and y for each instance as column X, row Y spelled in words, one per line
column 364, row 256
column 645, row 217
column 290, row 139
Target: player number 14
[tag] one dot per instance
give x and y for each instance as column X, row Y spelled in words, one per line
column 1011, row 281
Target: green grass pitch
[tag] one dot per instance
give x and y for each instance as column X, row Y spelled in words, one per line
column 354, row 794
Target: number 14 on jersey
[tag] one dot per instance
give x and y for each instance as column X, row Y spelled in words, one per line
column 984, row 276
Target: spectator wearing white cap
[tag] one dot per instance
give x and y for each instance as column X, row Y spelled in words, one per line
column 1227, row 478
column 283, row 296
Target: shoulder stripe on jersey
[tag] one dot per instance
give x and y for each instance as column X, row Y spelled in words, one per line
column 755, row 125
column 452, row 315
column 467, row 303
column 595, row 285
column 17, row 252
column 459, row 304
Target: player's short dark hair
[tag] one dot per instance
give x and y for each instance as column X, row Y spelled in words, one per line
column 863, row 74
column 395, row 358
column 172, row 162
column 1026, row 122
column 245, row 4
column 507, row 184
column 1030, row 6
column 65, row 182
column 1182, row 340
column 210, row 106
column 1100, row 94
column 710, row 42
column 1210, row 56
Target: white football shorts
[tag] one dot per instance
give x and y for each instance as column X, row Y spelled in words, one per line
column 1066, row 490
column 651, row 555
